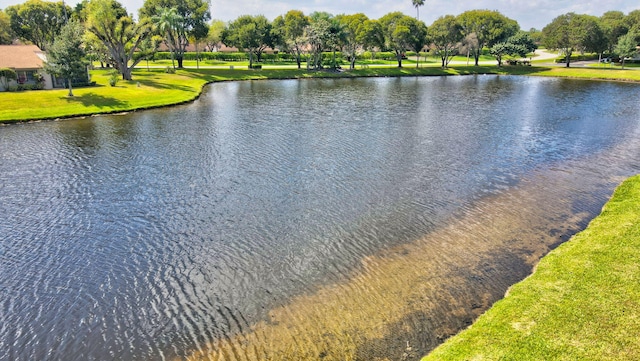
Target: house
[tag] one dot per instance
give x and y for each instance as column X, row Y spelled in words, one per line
column 27, row 61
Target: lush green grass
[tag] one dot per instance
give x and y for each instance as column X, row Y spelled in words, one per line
column 149, row 89
column 581, row 303
column 154, row 88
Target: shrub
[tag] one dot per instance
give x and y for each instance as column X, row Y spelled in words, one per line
column 169, row 70
column 6, row 75
column 114, row 77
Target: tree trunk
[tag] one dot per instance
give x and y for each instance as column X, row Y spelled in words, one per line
column 250, row 59
column 126, row 73
column 399, row 58
column 70, row 88
column 180, row 58
column 197, row 57
column 476, row 55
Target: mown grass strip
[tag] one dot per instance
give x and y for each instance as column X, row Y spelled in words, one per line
column 581, row 303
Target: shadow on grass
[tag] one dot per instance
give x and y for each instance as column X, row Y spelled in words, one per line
column 158, row 85
column 96, row 100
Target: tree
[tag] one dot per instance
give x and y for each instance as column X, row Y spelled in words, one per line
column 613, row 26
column 38, row 21
column 7, row 75
column 632, row 21
column 108, row 21
column 626, row 47
column 519, row 45
column 572, row 32
column 326, row 33
column 490, row 27
column 444, row 35
column 353, row 26
column 288, row 31
column 194, row 15
column 169, row 25
column 6, row 34
column 592, row 39
column 148, row 48
column 65, row 57
column 214, row 36
column 535, row 35
column 418, row 38
column 372, row 36
column 417, row 4
column 251, row 33
column 401, row 33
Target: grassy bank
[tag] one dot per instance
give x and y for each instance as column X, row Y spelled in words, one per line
column 154, row 88
column 582, row 302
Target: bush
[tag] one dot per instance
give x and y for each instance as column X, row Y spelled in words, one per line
column 169, row 70
column 114, row 77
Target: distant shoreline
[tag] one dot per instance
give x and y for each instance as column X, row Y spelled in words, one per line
column 154, row 88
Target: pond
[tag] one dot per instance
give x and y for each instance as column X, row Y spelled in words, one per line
column 298, row 219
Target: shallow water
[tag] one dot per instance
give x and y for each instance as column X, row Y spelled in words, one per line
column 298, row 219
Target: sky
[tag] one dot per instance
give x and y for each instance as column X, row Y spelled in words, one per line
column 528, row 13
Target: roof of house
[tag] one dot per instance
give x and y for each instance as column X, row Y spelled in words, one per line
column 21, row 57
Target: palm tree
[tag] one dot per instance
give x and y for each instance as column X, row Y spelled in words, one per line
column 168, row 23
column 417, row 4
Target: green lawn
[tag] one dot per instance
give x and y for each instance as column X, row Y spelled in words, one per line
column 581, row 303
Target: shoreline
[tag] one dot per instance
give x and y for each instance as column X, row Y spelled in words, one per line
column 198, row 79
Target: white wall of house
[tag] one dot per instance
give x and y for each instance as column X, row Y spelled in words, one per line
column 48, row 82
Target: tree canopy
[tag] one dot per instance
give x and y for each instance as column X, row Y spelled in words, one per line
column 108, row 21
column 65, row 57
column 6, row 34
column 252, row 33
column 489, row 27
column 38, row 21
column 289, row 32
column 445, row 34
column 180, row 20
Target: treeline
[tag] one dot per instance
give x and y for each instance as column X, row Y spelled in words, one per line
column 319, row 39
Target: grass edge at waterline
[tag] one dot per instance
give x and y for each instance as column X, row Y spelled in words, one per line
column 581, row 303
column 154, row 88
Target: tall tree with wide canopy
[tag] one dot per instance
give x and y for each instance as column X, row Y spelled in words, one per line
column 418, row 38
column 572, row 32
column 489, row 27
column 194, row 16
column 65, row 57
column 109, row 22
column 372, row 36
column 445, row 34
column 38, row 21
column 354, row 27
column 402, row 33
column 251, row 33
column 289, row 33
column 613, row 25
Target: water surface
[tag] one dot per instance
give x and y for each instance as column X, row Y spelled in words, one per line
column 265, row 208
